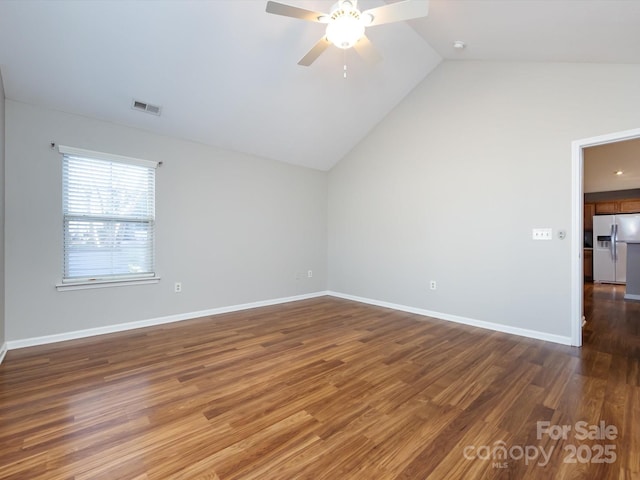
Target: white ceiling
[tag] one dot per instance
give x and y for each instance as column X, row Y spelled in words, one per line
column 603, row 161
column 226, row 74
column 600, row 31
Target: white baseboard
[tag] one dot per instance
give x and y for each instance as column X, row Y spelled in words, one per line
column 631, row 296
column 523, row 332
column 90, row 332
column 3, row 351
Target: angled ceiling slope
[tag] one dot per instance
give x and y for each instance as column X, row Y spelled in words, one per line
column 225, row 73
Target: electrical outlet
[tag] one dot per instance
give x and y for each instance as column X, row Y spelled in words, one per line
column 177, row 287
column 309, row 273
column 433, row 285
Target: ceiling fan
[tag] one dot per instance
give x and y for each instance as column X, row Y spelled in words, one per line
column 346, row 24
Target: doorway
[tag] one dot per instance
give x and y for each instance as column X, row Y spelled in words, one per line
column 577, row 213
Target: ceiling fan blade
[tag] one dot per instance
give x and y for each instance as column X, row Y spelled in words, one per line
column 295, row 12
column 315, row 52
column 397, row 12
column 366, row 50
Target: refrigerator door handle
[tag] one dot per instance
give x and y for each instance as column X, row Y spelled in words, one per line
column 612, row 243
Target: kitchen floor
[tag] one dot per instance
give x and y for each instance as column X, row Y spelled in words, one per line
column 613, row 323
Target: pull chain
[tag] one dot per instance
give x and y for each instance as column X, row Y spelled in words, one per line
column 344, row 59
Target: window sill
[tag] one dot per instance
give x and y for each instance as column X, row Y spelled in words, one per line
column 64, row 287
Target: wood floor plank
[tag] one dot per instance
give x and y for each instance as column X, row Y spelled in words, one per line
column 324, row 388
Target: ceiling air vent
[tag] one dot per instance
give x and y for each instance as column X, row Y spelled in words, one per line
column 146, row 107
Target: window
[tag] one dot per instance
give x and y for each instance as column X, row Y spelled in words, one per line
column 109, row 217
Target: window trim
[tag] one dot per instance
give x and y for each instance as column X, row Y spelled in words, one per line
column 108, row 157
column 116, row 280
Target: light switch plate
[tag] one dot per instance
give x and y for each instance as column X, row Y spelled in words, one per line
column 542, row 234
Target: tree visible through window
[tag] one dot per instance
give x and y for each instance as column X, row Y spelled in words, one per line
column 109, row 218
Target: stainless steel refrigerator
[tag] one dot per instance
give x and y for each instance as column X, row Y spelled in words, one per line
column 610, row 236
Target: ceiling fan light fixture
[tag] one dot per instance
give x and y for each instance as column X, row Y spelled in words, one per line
column 346, row 26
column 345, row 32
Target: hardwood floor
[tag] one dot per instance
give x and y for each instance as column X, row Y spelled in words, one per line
column 613, row 324
column 325, row 389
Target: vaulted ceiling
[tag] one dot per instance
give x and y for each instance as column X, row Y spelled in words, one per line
column 225, row 72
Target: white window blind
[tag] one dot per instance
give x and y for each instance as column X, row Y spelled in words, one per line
column 109, row 217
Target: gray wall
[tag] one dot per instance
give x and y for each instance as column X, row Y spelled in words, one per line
column 450, row 184
column 446, row 188
column 232, row 228
column 2, row 215
column 613, row 195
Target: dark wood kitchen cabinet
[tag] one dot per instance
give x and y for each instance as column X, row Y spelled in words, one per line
column 589, row 212
column 611, row 207
column 629, row 206
column 607, row 208
column 588, row 264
